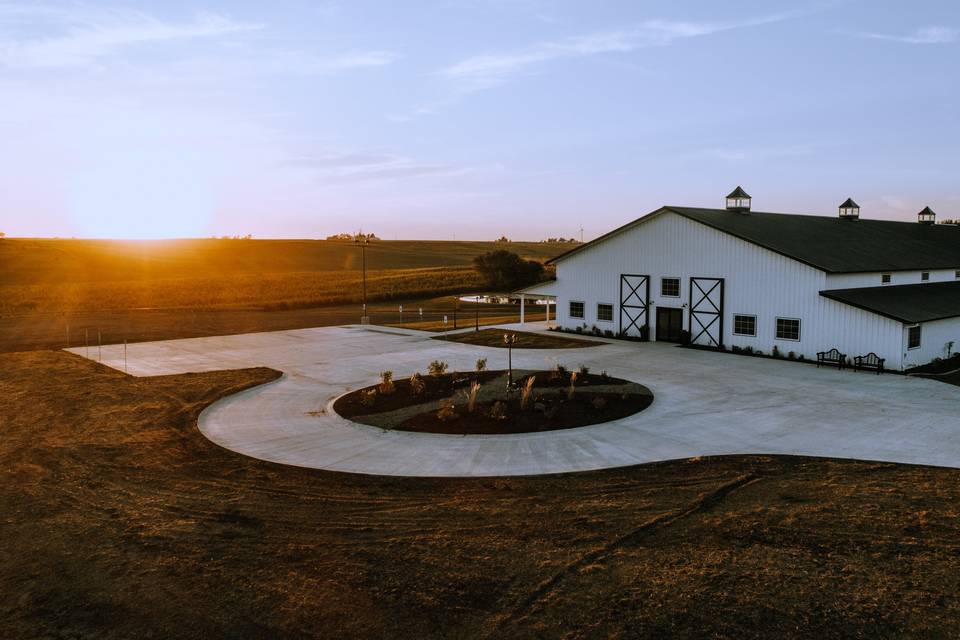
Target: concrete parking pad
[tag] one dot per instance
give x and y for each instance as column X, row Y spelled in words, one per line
column 705, row 404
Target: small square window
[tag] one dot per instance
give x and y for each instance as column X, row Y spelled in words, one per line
column 956, row 274
column 885, row 278
column 576, row 309
column 670, row 287
column 744, row 325
column 788, row 329
column 914, row 334
column 605, row 312
column 925, row 276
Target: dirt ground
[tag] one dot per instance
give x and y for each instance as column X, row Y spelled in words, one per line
column 119, row 520
column 525, row 340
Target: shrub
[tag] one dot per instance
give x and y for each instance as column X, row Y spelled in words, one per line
column 584, row 371
column 596, row 330
column 525, row 392
column 386, row 386
column 417, row 385
column 608, row 333
column 472, row 397
column 736, row 349
column 447, row 410
column 437, row 368
column 498, row 411
column 481, row 364
column 599, row 403
column 684, row 337
column 748, row 350
column 605, row 376
column 579, row 329
column 367, row 398
column 776, row 352
column 792, row 355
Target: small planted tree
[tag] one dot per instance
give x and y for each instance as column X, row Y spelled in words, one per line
column 498, row 411
column 481, row 364
column 386, row 386
column 417, row 385
column 446, row 411
column 572, row 389
column 367, row 398
column 437, row 368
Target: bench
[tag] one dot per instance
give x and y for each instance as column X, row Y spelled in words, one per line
column 869, row 361
column 833, row 357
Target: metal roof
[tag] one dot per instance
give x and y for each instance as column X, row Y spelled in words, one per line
column 738, row 193
column 849, row 204
column 831, row 244
column 908, row 303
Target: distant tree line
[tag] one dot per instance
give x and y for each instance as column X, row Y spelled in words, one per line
column 506, row 271
column 353, row 236
column 561, row 241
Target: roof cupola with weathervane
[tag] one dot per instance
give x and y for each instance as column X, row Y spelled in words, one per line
column 738, row 200
column 850, row 210
column 927, row 216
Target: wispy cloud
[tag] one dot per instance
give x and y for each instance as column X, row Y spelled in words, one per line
column 923, row 35
column 491, row 69
column 357, row 167
column 87, row 36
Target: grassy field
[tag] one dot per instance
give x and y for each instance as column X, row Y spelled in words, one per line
column 58, row 292
column 118, row 520
column 525, row 340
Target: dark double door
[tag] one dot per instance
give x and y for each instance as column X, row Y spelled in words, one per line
column 669, row 324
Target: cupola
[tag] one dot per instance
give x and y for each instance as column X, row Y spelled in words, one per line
column 849, row 210
column 738, row 200
column 927, row 216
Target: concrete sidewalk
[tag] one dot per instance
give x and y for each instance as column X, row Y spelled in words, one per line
column 705, row 404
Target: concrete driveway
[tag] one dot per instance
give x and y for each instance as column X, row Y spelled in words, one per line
column 705, row 404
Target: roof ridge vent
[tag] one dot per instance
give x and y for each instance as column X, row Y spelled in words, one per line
column 849, row 210
column 738, row 200
column 927, row 216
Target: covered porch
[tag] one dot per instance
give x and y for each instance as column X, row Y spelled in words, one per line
column 543, row 293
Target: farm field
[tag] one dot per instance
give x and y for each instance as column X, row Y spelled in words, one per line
column 59, row 292
column 119, row 519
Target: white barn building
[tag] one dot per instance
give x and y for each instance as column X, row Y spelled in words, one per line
column 735, row 277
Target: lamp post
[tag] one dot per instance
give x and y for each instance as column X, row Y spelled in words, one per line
column 456, row 303
column 476, row 308
column 362, row 241
column 509, row 339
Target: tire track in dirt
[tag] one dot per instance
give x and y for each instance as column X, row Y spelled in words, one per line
column 704, row 502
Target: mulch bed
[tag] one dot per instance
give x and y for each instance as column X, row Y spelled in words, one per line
column 556, row 415
column 596, row 399
column 525, row 340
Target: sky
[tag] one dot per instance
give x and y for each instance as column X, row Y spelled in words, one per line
column 467, row 119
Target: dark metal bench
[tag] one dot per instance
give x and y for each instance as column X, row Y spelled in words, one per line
column 833, row 357
column 869, row 361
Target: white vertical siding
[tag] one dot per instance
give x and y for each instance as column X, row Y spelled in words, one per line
column 934, row 337
column 858, row 280
column 758, row 282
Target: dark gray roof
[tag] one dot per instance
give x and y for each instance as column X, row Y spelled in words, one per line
column 849, row 204
column 840, row 246
column 909, row 303
column 831, row 244
column 738, row 193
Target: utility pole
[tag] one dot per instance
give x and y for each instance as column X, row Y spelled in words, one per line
column 581, row 234
column 362, row 241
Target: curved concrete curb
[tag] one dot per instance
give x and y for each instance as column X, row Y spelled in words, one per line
column 706, row 404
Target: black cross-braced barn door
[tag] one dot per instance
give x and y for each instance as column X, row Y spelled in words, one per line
column 706, row 311
column 634, row 300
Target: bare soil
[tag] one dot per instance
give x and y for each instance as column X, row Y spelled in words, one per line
column 119, row 520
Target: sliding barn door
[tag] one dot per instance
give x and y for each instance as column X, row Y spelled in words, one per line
column 706, row 311
column 634, row 301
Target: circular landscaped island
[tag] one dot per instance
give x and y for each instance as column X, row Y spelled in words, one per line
column 483, row 403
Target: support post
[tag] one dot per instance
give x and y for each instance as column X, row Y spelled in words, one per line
column 523, row 301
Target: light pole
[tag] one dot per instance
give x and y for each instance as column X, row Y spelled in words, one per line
column 476, row 308
column 456, row 303
column 362, row 241
column 509, row 339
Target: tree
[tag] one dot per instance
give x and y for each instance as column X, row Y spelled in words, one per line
column 507, row 271
column 2, row 235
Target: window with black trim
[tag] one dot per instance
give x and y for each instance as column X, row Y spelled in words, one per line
column 924, row 276
column 956, row 274
column 576, row 309
column 914, row 336
column 605, row 312
column 885, row 278
column 744, row 325
column 670, row 287
column 788, row 329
